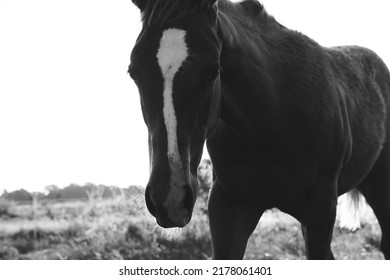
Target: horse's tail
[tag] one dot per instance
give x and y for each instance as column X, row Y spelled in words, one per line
column 349, row 210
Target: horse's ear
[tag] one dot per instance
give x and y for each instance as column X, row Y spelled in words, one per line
column 141, row 4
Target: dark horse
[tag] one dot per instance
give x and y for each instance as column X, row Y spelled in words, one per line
column 289, row 124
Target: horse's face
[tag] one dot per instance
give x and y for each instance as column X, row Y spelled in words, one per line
column 176, row 68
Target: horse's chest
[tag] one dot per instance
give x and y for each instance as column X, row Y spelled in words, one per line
column 258, row 178
column 269, row 186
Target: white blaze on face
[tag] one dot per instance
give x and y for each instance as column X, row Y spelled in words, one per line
column 172, row 53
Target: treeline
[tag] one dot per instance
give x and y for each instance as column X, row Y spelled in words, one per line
column 71, row 192
column 89, row 190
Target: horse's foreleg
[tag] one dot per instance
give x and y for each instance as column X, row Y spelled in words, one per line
column 231, row 224
column 318, row 225
column 304, row 233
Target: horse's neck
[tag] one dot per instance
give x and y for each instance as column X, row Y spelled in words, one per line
column 248, row 93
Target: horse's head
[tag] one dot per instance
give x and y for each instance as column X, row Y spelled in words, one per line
column 175, row 64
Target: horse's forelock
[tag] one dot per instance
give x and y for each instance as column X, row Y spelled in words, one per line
column 169, row 10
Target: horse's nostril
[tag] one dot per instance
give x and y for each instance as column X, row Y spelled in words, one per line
column 173, row 212
column 188, row 198
column 149, row 203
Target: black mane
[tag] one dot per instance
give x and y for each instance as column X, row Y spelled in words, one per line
column 162, row 11
column 246, row 8
column 250, row 13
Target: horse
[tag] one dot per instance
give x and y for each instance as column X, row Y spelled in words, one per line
column 288, row 123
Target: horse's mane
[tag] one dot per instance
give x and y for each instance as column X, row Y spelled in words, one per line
column 162, row 11
column 250, row 13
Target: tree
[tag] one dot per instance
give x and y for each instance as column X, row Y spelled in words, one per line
column 205, row 179
column 5, row 193
column 52, row 188
column 19, row 195
column 94, row 192
column 53, row 192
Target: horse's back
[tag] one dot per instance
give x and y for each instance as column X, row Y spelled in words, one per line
column 362, row 82
column 363, row 78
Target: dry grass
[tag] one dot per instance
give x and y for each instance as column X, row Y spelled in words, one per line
column 121, row 228
column 278, row 236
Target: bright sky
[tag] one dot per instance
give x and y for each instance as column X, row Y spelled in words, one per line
column 68, row 111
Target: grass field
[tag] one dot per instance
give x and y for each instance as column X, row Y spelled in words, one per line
column 121, row 228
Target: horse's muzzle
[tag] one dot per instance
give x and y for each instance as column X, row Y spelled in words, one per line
column 175, row 210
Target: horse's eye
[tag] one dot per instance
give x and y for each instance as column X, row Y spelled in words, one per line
column 132, row 72
column 214, row 74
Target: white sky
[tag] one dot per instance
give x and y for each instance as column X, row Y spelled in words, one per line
column 68, row 111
